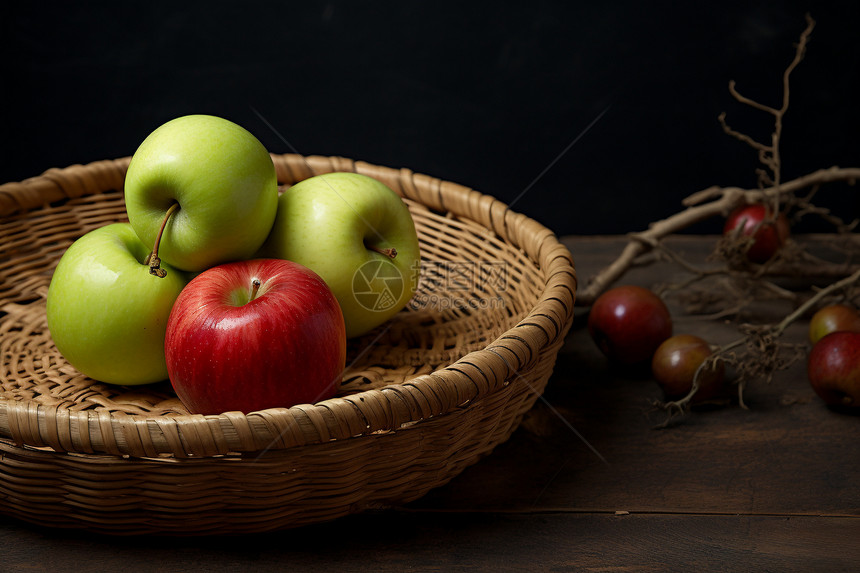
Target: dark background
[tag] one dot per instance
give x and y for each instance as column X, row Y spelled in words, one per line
column 486, row 94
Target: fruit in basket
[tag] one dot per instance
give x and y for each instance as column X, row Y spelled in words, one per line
column 769, row 232
column 106, row 313
column 628, row 323
column 833, row 369
column 675, row 363
column 833, row 318
column 250, row 335
column 358, row 235
column 209, row 184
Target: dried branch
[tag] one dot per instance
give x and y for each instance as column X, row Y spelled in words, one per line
column 758, row 353
column 761, row 357
column 769, row 154
column 720, row 202
column 716, row 201
column 804, row 206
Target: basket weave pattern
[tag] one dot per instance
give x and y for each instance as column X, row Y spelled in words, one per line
column 424, row 396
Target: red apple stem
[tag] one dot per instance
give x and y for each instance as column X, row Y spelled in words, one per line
column 389, row 252
column 255, row 286
column 152, row 260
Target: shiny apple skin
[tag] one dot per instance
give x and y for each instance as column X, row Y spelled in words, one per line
column 675, row 363
column 833, row 368
column 628, row 323
column 768, row 236
column 106, row 313
column 285, row 347
column 833, row 318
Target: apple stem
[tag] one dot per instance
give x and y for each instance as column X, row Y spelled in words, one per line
column 255, row 286
column 390, row 252
column 152, row 260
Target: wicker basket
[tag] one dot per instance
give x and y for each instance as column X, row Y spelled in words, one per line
column 426, row 395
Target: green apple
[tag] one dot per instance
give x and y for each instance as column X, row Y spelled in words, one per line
column 106, row 313
column 209, row 184
column 358, row 235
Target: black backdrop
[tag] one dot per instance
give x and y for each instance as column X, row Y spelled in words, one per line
column 497, row 96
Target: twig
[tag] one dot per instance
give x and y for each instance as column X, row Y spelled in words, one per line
column 814, row 300
column 769, row 154
column 772, row 333
column 757, row 354
column 720, row 202
column 715, row 201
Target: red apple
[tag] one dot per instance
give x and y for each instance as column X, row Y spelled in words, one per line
column 833, row 369
column 769, row 232
column 628, row 323
column 833, row 318
column 250, row 335
column 675, row 363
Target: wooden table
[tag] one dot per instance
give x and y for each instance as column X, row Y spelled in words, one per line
column 772, row 488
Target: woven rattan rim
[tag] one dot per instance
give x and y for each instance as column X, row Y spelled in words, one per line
column 389, row 408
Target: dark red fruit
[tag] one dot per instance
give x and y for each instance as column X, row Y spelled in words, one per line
column 833, row 318
column 675, row 363
column 833, row 368
column 628, row 323
column 769, row 232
